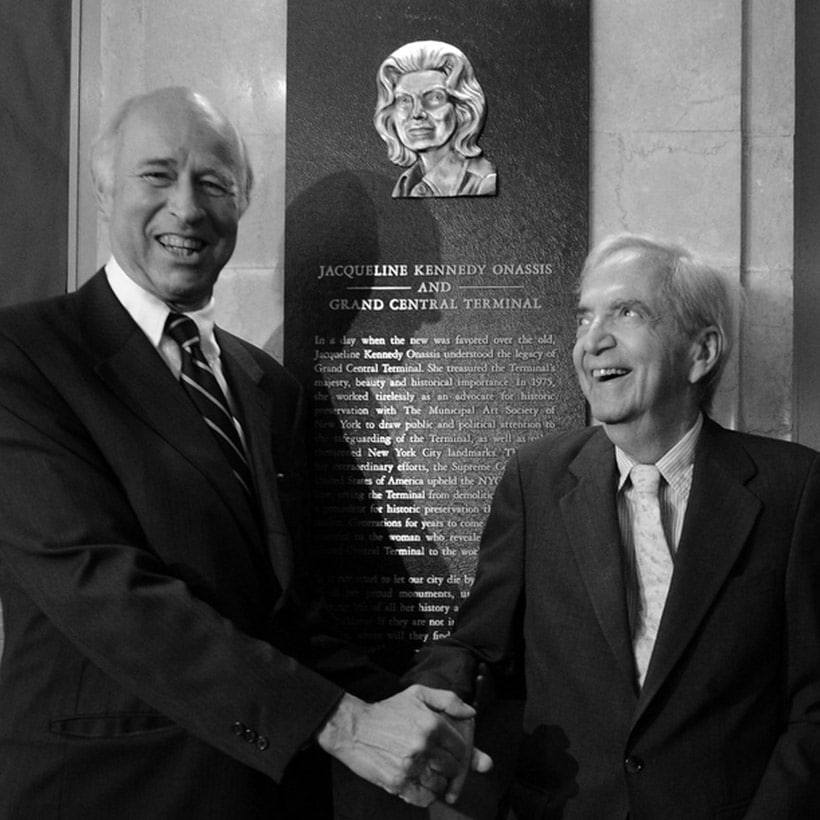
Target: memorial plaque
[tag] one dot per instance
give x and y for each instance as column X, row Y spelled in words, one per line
column 429, row 312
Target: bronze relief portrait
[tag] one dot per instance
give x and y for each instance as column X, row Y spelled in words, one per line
column 430, row 112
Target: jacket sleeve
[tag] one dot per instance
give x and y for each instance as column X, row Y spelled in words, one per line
column 790, row 786
column 74, row 550
column 487, row 626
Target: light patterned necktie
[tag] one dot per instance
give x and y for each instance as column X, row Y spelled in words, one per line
column 653, row 561
column 201, row 385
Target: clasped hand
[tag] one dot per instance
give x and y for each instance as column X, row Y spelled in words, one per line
column 417, row 744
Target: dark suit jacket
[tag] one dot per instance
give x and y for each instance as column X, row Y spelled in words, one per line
column 726, row 725
column 157, row 662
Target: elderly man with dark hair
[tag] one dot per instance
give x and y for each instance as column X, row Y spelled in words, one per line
column 159, row 660
column 656, row 578
column 430, row 111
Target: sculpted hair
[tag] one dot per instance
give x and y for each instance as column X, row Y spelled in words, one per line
column 696, row 294
column 459, row 79
column 106, row 146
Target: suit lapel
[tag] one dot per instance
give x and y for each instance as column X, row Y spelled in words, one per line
column 256, row 411
column 719, row 517
column 127, row 362
column 591, row 519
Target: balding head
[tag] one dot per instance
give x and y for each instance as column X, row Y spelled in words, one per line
column 170, row 101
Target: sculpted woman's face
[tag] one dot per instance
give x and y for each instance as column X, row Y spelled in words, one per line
column 425, row 117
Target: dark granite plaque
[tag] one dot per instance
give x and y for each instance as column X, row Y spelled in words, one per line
column 432, row 332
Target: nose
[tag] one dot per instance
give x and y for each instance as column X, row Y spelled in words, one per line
column 183, row 200
column 595, row 336
column 418, row 109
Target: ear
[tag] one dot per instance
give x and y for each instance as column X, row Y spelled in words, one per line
column 102, row 177
column 705, row 351
column 103, row 196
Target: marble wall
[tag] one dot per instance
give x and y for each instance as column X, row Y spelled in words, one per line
column 692, row 124
column 767, row 232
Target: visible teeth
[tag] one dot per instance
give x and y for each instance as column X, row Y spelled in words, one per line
column 606, row 372
column 175, row 242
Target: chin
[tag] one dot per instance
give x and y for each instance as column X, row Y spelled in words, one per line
column 608, row 415
column 192, row 295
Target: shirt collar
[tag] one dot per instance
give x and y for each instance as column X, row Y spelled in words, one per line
column 150, row 312
column 675, row 465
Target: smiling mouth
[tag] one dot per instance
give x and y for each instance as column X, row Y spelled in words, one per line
column 605, row 374
column 181, row 245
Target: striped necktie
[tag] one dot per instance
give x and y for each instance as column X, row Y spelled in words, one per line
column 653, row 561
column 204, row 391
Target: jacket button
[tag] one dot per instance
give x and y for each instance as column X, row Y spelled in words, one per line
column 262, row 743
column 249, row 735
column 633, row 764
column 238, row 728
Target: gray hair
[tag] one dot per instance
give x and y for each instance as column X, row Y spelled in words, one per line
column 459, row 79
column 696, row 294
column 106, row 146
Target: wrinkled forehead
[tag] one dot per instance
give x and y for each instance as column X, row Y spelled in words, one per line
column 164, row 130
column 626, row 274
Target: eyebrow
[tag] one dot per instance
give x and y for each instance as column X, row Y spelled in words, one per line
column 436, row 87
column 220, row 169
column 619, row 303
column 164, row 161
column 634, row 303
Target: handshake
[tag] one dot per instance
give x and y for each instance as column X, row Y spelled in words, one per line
column 417, row 744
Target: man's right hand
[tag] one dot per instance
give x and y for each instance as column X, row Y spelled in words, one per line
column 417, row 744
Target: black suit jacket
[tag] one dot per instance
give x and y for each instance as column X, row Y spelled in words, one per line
column 726, row 725
column 157, row 663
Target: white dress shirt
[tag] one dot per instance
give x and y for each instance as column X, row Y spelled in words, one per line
column 675, row 467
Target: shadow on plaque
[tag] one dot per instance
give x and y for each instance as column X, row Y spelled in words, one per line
column 349, row 221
